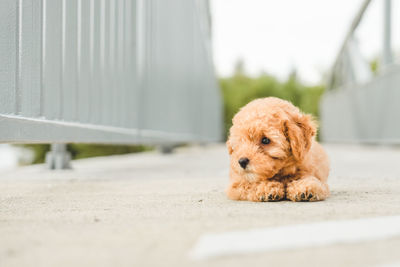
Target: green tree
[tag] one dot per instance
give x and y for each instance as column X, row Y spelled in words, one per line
column 239, row 89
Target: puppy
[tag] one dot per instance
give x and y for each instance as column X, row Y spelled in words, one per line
column 274, row 155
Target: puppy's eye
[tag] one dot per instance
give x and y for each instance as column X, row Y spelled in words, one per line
column 265, row 140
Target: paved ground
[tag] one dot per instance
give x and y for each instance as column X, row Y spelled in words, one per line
column 150, row 209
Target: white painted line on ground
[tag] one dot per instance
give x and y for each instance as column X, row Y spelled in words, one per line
column 295, row 237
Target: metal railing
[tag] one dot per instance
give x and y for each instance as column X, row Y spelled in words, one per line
column 349, row 66
column 359, row 105
column 107, row 71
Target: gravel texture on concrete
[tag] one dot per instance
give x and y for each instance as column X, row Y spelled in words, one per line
column 150, row 209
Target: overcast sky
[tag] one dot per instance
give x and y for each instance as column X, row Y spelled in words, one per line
column 278, row 36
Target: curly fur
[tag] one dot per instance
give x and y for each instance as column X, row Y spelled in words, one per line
column 292, row 166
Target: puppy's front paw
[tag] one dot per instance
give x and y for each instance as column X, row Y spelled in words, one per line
column 269, row 191
column 307, row 189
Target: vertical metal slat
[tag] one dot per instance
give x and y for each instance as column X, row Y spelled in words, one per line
column 120, row 52
column 95, row 58
column 52, row 59
column 105, row 63
column 29, row 58
column 8, row 55
column 112, row 63
column 83, row 61
column 130, row 64
column 70, row 59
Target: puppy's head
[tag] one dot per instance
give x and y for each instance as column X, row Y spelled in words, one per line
column 267, row 136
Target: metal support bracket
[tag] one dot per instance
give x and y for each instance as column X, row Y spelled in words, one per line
column 58, row 158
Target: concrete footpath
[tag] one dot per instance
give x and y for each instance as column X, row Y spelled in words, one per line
column 150, row 209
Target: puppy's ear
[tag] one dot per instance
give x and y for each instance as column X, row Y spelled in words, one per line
column 229, row 146
column 299, row 131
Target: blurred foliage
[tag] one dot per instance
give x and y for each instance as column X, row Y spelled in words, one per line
column 39, row 152
column 239, row 89
column 79, row 151
column 374, row 65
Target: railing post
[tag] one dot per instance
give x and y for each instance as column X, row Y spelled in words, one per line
column 167, row 149
column 387, row 37
column 58, row 158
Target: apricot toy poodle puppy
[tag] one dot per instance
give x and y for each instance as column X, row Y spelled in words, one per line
column 274, row 155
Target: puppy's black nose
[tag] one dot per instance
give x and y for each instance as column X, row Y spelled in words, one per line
column 243, row 162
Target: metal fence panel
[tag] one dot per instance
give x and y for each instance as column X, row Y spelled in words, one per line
column 108, row 71
column 365, row 113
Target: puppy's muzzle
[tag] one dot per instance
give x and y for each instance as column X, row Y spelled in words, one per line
column 243, row 162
